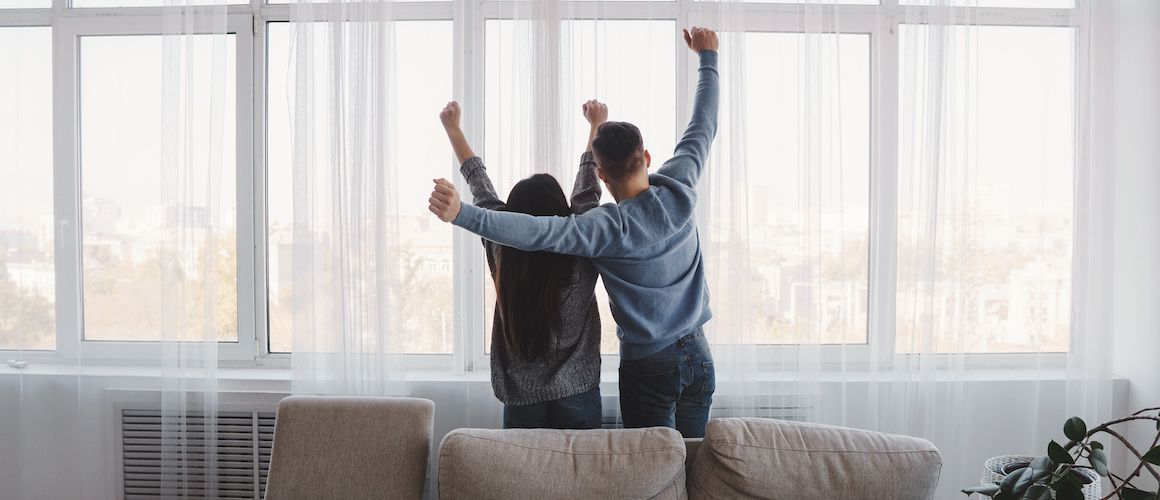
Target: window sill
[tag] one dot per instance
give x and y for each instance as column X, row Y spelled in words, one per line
column 276, row 375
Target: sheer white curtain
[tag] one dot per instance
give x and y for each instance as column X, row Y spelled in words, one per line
column 145, row 331
column 348, row 320
column 908, row 246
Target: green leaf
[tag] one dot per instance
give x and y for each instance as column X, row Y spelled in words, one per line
column 1058, row 455
column 1040, row 468
column 1153, row 456
column 1130, row 493
column 1099, row 461
column 1026, row 479
column 1038, row 492
column 1068, row 490
column 1075, row 429
column 1096, row 445
column 989, row 489
column 1015, row 484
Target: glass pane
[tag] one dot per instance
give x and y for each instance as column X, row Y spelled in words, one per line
column 812, row 3
column 25, row 4
column 422, row 88
column 150, row 3
column 368, row 1
column 1034, row 4
column 127, row 233
column 27, row 276
column 1004, row 159
column 806, row 116
column 594, row 57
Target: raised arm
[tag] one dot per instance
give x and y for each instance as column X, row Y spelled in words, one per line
column 471, row 166
column 689, row 157
column 586, row 191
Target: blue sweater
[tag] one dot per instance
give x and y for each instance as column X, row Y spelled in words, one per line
column 646, row 248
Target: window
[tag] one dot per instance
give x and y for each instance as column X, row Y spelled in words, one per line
column 595, row 56
column 810, row 243
column 422, row 86
column 1006, row 189
column 147, row 3
column 1038, row 4
column 26, row 4
column 27, row 274
column 808, row 235
column 129, row 238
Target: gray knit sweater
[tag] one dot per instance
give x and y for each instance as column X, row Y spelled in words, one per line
column 574, row 365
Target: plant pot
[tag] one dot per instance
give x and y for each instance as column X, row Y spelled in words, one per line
column 994, row 470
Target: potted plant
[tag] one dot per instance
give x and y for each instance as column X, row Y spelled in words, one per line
column 1061, row 475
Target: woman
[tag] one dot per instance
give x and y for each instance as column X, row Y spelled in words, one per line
column 545, row 342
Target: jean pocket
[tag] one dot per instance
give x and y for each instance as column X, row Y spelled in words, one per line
column 703, row 387
column 650, row 393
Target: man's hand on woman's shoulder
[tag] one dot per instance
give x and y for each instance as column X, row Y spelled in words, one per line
column 700, row 39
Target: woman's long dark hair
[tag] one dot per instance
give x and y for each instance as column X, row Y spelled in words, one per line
column 528, row 284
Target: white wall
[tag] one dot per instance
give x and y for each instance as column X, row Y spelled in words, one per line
column 1135, row 147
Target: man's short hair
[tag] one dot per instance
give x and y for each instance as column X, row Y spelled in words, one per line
column 619, row 149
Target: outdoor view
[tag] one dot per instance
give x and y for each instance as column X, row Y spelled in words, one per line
column 421, row 298
column 27, row 276
column 1001, row 268
column 156, row 247
column 787, row 250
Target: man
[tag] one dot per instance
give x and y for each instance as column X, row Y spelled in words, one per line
column 647, row 249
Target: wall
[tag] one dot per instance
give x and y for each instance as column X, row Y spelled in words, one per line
column 1135, row 147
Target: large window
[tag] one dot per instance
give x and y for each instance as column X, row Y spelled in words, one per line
column 133, row 235
column 808, row 180
column 593, row 58
column 27, row 275
column 422, row 85
column 1005, row 199
column 86, row 234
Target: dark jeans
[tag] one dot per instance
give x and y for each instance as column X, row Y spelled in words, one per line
column 672, row 388
column 579, row 411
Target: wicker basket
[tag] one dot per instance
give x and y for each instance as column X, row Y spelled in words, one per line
column 993, row 473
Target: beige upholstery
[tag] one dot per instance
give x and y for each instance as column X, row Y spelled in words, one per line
column 691, row 445
column 535, row 463
column 350, row 448
column 763, row 458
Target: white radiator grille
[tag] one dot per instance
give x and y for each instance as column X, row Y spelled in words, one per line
column 153, row 471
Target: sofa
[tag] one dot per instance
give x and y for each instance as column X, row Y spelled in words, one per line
column 352, row 448
column 738, row 458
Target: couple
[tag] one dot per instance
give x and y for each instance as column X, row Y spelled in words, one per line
column 545, row 255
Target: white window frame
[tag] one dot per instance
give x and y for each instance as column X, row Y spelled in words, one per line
column 249, row 23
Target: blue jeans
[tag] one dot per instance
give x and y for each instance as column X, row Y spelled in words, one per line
column 672, row 388
column 578, row 411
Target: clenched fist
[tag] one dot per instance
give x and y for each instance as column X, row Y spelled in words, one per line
column 595, row 112
column 450, row 115
column 444, row 201
column 700, row 39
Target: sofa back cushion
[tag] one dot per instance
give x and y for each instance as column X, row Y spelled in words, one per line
column 350, row 448
column 765, row 458
column 539, row 463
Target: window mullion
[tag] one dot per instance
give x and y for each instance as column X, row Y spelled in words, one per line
column 884, row 190
column 467, row 254
column 66, row 191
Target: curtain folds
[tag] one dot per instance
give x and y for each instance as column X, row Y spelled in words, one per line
column 892, row 312
column 346, row 321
